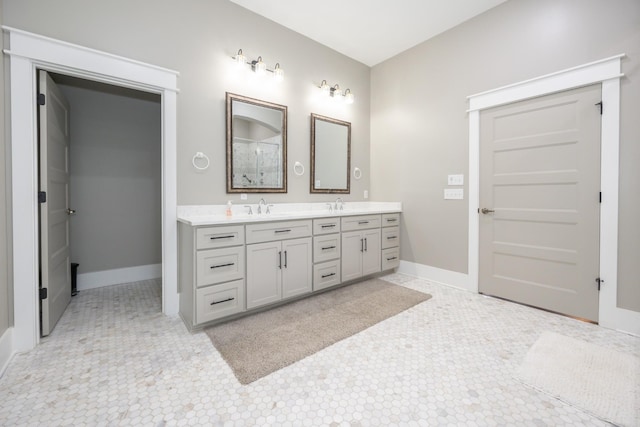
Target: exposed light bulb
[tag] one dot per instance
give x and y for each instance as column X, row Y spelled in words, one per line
column 278, row 73
column 325, row 88
column 241, row 60
column 259, row 67
column 348, row 96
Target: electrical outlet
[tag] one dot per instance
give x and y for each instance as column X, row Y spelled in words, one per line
column 453, row 194
column 243, row 196
column 366, row 194
column 455, row 179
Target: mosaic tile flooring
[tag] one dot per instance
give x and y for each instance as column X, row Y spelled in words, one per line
column 114, row 359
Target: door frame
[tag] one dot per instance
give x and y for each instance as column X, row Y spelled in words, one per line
column 28, row 52
column 608, row 73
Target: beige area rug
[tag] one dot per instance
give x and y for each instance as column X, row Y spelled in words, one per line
column 600, row 381
column 257, row 345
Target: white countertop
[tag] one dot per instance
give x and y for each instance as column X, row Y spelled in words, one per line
column 196, row 215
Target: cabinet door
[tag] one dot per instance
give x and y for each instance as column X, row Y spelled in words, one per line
column 371, row 255
column 352, row 247
column 264, row 274
column 296, row 267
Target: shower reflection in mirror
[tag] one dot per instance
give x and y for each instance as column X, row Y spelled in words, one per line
column 256, row 145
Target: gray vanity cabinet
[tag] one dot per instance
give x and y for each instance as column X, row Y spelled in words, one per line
column 390, row 241
column 360, row 247
column 280, row 268
column 211, row 265
column 326, row 252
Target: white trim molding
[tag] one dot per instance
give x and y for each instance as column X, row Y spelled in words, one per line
column 6, row 350
column 608, row 73
column 435, row 275
column 28, row 52
column 118, row 276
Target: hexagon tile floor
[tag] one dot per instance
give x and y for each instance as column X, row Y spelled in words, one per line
column 114, row 359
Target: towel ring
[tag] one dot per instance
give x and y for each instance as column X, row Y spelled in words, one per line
column 298, row 168
column 357, row 173
column 200, row 155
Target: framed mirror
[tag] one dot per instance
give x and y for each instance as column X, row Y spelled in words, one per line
column 256, row 145
column 330, row 155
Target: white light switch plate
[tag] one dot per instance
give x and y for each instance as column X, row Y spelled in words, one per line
column 243, row 196
column 453, row 194
column 455, row 179
column 366, row 194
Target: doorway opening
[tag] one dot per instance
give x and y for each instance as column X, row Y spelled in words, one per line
column 28, row 52
column 114, row 195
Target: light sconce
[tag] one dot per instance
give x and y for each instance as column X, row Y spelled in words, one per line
column 258, row 66
column 336, row 93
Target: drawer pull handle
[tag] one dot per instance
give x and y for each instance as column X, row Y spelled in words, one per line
column 223, row 265
column 282, row 231
column 391, row 237
column 222, row 237
column 392, row 258
column 220, row 302
column 328, row 225
column 392, row 219
column 363, row 222
column 328, row 247
column 328, row 275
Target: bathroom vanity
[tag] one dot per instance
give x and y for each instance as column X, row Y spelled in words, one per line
column 229, row 266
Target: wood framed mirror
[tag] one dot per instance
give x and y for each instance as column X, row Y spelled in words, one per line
column 330, row 155
column 256, row 145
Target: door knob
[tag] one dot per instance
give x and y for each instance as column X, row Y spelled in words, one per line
column 486, row 211
column 71, row 211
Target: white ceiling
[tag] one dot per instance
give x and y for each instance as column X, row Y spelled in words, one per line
column 369, row 31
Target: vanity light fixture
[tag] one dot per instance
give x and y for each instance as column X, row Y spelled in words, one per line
column 259, row 66
column 336, row 93
column 325, row 88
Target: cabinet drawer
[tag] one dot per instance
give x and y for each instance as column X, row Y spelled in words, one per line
column 326, row 225
column 326, row 247
column 219, row 265
column 390, row 237
column 326, row 274
column 270, row 231
column 389, row 220
column 214, row 302
column 219, row 237
column 360, row 222
column 390, row 258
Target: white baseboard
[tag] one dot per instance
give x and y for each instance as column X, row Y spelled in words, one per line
column 99, row 279
column 436, row 275
column 6, row 350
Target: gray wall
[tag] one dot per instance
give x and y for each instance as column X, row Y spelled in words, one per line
column 5, row 307
column 115, row 176
column 419, row 126
column 198, row 38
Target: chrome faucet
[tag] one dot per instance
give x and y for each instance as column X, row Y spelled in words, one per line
column 341, row 203
column 261, row 203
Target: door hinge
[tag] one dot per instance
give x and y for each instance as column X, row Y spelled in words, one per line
column 41, row 99
column 42, row 196
column 43, row 293
column 601, row 197
column 600, row 105
column 599, row 281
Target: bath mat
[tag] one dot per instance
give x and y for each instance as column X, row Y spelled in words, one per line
column 598, row 380
column 262, row 343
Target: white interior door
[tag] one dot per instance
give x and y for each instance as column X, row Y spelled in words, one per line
column 55, row 268
column 539, row 195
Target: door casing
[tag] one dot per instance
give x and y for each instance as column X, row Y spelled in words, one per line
column 608, row 72
column 28, row 52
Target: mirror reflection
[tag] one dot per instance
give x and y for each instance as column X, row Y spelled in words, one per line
column 256, row 146
column 330, row 155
